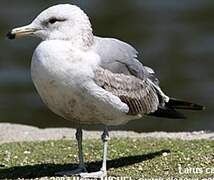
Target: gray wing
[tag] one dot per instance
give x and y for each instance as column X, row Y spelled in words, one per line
column 120, row 57
column 139, row 94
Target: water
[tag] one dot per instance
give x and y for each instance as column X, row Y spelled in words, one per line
column 174, row 37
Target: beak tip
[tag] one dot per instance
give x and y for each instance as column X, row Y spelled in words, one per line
column 10, row 35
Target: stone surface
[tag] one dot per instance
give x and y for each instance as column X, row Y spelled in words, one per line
column 17, row 132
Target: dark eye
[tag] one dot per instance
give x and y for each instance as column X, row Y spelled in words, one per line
column 53, row 20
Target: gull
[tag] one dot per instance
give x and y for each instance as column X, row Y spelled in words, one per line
column 92, row 80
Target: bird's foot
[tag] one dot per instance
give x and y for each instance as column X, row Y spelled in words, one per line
column 75, row 172
column 95, row 175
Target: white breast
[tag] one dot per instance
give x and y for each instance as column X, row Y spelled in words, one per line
column 63, row 77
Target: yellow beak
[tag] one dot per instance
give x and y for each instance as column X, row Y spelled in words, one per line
column 21, row 32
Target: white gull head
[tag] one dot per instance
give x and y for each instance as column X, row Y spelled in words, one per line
column 60, row 22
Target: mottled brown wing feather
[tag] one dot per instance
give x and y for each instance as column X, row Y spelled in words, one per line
column 138, row 94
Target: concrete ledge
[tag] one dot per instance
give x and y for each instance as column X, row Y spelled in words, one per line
column 16, row 133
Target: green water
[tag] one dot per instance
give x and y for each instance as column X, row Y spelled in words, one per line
column 176, row 38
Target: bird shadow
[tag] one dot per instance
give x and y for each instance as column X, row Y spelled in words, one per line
column 49, row 169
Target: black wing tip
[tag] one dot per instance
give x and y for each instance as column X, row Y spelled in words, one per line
column 180, row 104
column 203, row 108
column 10, row 35
column 164, row 112
column 199, row 107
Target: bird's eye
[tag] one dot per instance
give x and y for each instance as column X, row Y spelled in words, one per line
column 53, row 20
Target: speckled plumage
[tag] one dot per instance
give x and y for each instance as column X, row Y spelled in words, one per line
column 139, row 94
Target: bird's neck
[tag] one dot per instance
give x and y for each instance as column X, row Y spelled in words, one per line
column 82, row 39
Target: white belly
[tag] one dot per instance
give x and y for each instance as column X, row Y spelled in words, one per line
column 75, row 105
column 60, row 86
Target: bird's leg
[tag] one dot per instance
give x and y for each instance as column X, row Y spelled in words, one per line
column 105, row 138
column 81, row 168
column 103, row 171
column 80, row 151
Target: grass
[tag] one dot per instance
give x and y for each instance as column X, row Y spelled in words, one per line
column 148, row 158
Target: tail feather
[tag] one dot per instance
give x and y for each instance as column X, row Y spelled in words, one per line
column 180, row 104
column 169, row 110
column 165, row 112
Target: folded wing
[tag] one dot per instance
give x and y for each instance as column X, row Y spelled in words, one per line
column 136, row 85
column 140, row 96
